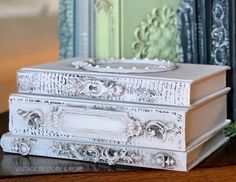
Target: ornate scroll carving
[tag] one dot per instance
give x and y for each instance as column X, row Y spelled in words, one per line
column 67, row 38
column 21, row 146
column 164, row 160
column 94, row 88
column 220, row 32
column 157, row 36
column 95, row 153
column 33, row 118
column 161, row 130
column 119, row 126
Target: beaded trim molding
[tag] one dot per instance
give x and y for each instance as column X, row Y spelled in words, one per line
column 124, row 65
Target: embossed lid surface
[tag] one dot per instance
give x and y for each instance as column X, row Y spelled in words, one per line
column 184, row 72
column 124, row 65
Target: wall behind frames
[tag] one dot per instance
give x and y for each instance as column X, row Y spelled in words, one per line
column 28, row 36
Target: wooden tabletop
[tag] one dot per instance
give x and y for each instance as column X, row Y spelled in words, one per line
column 221, row 166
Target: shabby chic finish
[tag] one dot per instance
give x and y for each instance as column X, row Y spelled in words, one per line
column 113, row 88
column 119, row 124
column 111, row 154
column 136, row 81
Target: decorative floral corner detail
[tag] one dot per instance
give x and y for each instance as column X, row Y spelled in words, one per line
column 34, row 119
column 157, row 36
column 164, row 160
column 21, row 146
column 95, row 153
column 161, row 130
column 94, row 88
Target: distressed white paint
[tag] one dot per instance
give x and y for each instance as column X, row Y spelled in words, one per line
column 118, row 123
column 181, row 87
column 111, row 154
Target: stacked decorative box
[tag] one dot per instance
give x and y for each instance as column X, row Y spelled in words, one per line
column 145, row 113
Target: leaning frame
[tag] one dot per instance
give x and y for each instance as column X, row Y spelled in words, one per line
column 206, row 32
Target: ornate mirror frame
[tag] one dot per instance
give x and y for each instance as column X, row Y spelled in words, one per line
column 207, row 33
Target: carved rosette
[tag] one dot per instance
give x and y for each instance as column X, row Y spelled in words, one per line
column 157, row 36
column 94, row 88
column 21, row 146
column 34, row 119
column 220, row 32
column 164, row 160
column 95, row 153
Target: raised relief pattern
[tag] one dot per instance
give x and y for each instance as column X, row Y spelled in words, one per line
column 100, row 124
column 164, row 160
column 161, row 130
column 34, row 119
column 124, row 65
column 95, row 153
column 94, row 88
column 124, row 88
column 157, row 36
column 21, row 146
column 118, row 126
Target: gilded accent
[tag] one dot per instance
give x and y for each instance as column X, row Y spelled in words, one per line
column 157, row 36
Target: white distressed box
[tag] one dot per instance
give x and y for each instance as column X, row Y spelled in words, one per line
column 136, row 81
column 164, row 116
column 173, row 128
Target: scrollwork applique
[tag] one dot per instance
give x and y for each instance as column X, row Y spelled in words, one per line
column 157, row 36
